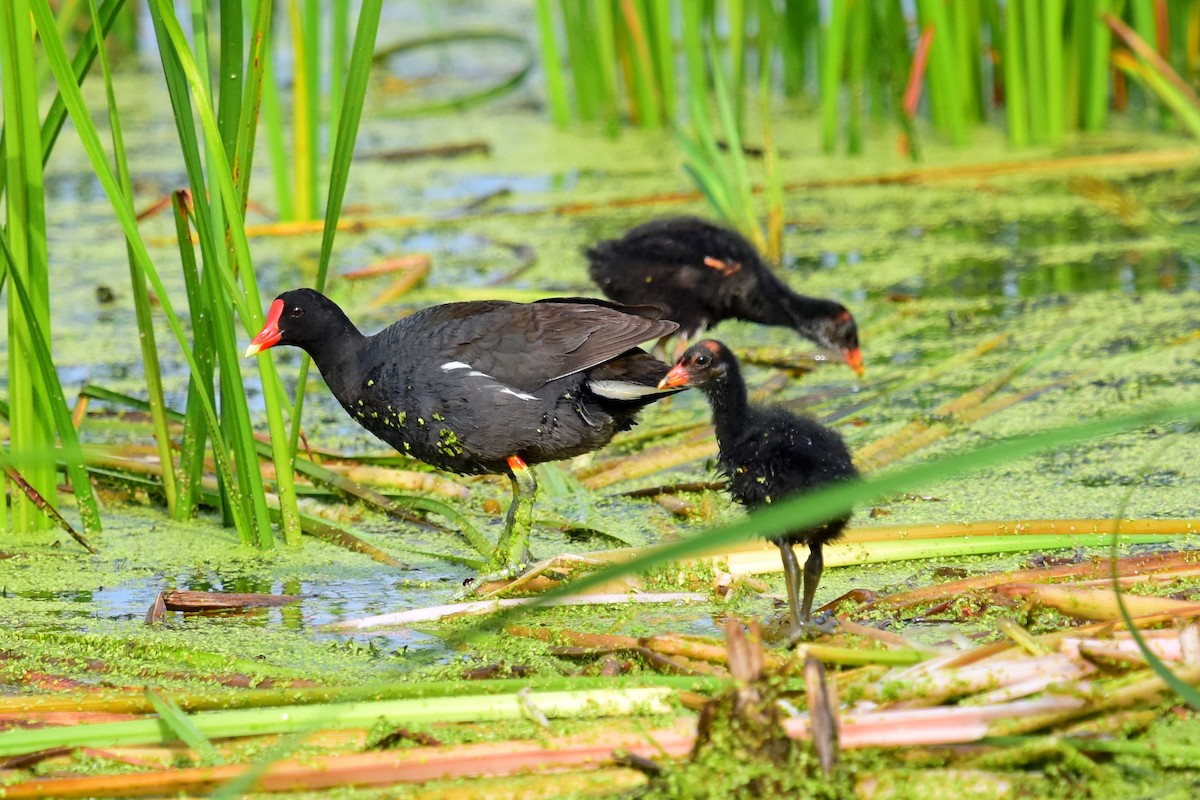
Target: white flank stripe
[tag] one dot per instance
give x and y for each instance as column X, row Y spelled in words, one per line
column 521, row 395
column 621, row 390
column 453, row 365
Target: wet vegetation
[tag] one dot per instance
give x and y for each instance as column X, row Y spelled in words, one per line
column 214, row 582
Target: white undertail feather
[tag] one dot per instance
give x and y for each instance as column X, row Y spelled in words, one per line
column 621, row 390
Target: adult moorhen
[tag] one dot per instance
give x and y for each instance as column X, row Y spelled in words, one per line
column 700, row 273
column 484, row 387
column 768, row 454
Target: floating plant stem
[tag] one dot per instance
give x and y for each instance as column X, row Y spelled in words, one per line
column 333, row 716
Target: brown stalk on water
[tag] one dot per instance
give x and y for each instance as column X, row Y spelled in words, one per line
column 406, row 480
column 48, row 510
column 1097, row 604
column 653, row 460
column 1087, row 164
column 416, row 765
column 415, row 262
column 400, row 287
column 940, row 422
column 600, row 643
column 1095, row 568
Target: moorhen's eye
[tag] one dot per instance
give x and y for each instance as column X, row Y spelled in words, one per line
column 702, row 360
column 297, row 312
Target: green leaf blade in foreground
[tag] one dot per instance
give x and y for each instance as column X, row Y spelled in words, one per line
column 334, row 716
column 181, row 725
column 812, row 508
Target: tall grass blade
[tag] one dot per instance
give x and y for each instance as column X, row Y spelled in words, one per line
column 357, row 80
column 1016, row 103
column 663, row 49
column 176, row 720
column 556, row 88
column 832, row 62
column 152, row 372
column 80, row 65
column 272, row 118
column 31, row 432
column 35, row 340
column 195, row 425
column 219, row 222
column 1052, row 50
column 73, row 100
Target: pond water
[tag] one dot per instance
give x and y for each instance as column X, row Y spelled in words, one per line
column 932, row 269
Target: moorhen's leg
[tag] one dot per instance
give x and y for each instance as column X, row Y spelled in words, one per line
column 512, row 551
column 791, row 575
column 802, row 622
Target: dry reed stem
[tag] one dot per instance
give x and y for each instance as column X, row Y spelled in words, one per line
column 407, row 480
column 1097, row 604
column 1087, row 164
column 1096, row 568
column 650, row 461
column 416, row 765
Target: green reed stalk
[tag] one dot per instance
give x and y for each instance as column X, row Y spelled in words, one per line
column 658, row 13
column 832, row 60
column 195, row 426
column 80, row 65
column 801, row 27
column 897, row 66
column 218, row 222
column 252, row 100
column 73, row 101
column 31, row 432
column 693, row 49
column 945, row 97
column 313, row 9
column 221, row 289
column 584, row 66
column 1144, row 17
column 603, row 53
column 272, row 120
column 1032, row 19
column 304, row 140
column 339, row 42
column 644, row 98
column 856, row 74
column 969, row 52
column 34, row 339
column 1052, row 53
column 556, row 88
column 69, row 13
column 772, row 175
column 738, row 172
column 738, row 18
column 1013, row 60
column 231, row 75
column 355, row 90
column 143, row 311
column 1094, row 63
